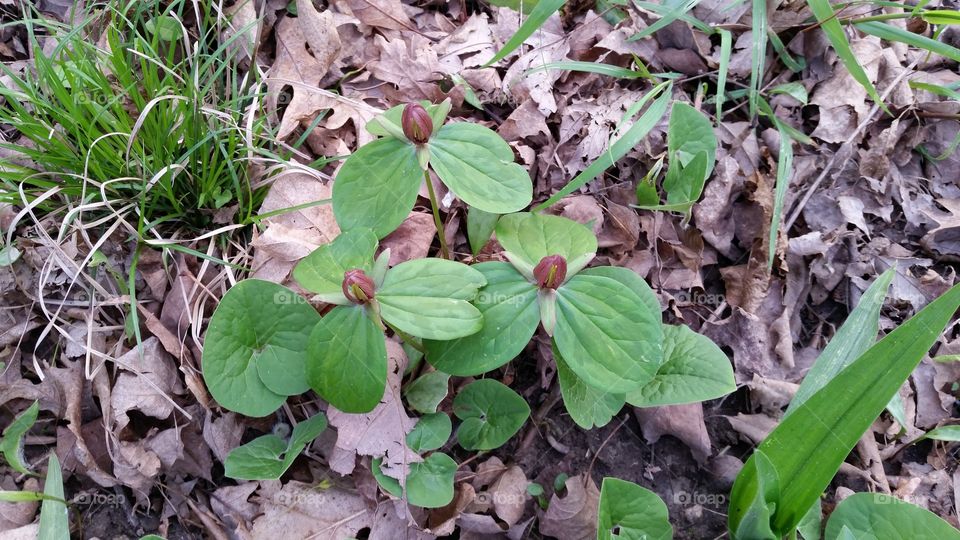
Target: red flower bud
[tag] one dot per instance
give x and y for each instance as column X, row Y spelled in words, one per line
column 416, row 122
column 550, row 271
column 357, row 286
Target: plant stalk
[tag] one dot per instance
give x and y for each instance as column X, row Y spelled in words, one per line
column 444, row 252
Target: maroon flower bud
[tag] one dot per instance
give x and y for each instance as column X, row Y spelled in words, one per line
column 357, row 286
column 550, row 271
column 416, row 122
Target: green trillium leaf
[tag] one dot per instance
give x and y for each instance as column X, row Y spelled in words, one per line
column 321, row 271
column 477, row 164
column 438, row 278
column 431, row 432
column 631, row 512
column 480, row 227
column 510, row 315
column 377, row 186
column 875, row 515
column 606, row 332
column 347, row 362
column 694, row 369
column 531, row 237
column 389, row 124
column 257, row 322
column 430, row 482
column 268, row 457
column 491, row 413
column 588, row 406
column 426, row 392
column 11, row 446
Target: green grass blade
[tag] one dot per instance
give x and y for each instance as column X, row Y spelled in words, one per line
column 668, row 15
column 539, row 15
column 834, row 30
column 941, row 16
column 784, row 172
column 893, row 33
column 758, row 55
column 53, row 512
column 590, row 67
column 726, row 46
column 618, row 149
column 808, row 446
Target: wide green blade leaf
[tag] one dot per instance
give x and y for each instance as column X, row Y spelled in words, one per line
column 808, row 446
column 12, row 443
column 827, row 18
column 268, row 457
column 893, row 33
column 694, row 370
column 631, row 512
column 253, row 354
column 689, row 133
column 490, row 412
column 430, row 432
column 543, row 10
column 377, row 186
column 430, row 482
column 510, row 316
column 54, row 523
column 588, row 406
column 478, row 165
column 347, row 362
column 531, row 237
column 321, row 271
column 607, row 334
column 432, row 277
column 874, row 515
column 430, row 317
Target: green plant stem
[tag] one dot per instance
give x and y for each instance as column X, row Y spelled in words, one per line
column 882, row 17
column 444, row 252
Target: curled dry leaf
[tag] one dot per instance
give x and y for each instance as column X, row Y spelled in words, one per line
column 684, row 422
column 300, row 510
column 573, row 516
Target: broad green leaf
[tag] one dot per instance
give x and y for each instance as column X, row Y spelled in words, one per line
column 794, row 89
column 588, row 406
column 490, row 412
column 480, row 227
column 377, row 186
column 683, row 184
column 627, row 142
column 268, row 457
column 944, row 433
column 854, row 337
column 425, row 394
column 388, row 483
column 812, row 523
column 165, row 28
column 54, row 523
column 254, row 349
column 607, row 334
column 430, row 318
column 756, row 501
column 531, row 237
column 694, row 369
column 893, row 33
column 539, row 15
column 631, row 512
column 347, row 362
column 884, row 517
column 509, row 306
column 321, row 271
column 809, row 445
column 431, row 432
column 478, row 165
column 689, row 133
column 9, row 255
column 430, row 482
column 12, row 443
column 431, row 277
column 827, row 18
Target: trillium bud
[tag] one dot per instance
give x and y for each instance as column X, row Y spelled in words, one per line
column 550, row 271
column 357, row 286
column 417, row 124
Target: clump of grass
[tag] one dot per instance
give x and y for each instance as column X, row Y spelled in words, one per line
column 140, row 109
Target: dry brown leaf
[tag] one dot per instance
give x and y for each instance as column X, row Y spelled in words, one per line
column 412, row 239
column 754, row 427
column 300, row 510
column 132, row 392
column 388, row 14
column 573, row 517
column 509, row 495
column 684, row 422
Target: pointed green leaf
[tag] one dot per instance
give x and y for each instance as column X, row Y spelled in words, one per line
column 321, row 271
column 478, row 165
column 347, row 362
column 757, row 499
column 631, row 512
column 531, row 237
column 874, row 515
column 588, row 406
column 510, row 316
column 54, row 522
column 607, row 333
column 268, row 457
column 539, row 15
column 430, row 432
column 430, row 482
column 809, row 445
column 894, row 33
column 425, row 394
column 480, row 227
column 490, row 412
column 377, row 186
column 694, row 369
column 12, row 443
column 253, row 355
